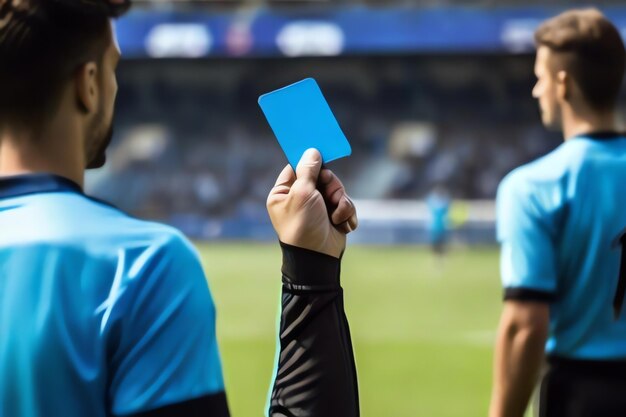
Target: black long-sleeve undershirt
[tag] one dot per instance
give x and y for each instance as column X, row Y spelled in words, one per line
column 316, row 375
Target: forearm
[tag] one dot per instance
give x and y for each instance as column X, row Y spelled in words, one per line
column 316, row 375
column 517, row 362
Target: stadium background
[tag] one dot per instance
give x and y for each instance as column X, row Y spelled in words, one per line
column 429, row 93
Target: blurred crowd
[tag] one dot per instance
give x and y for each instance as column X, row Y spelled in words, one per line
column 192, row 143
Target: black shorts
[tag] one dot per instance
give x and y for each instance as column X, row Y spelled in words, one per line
column 576, row 388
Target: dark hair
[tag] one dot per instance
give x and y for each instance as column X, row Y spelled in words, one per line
column 42, row 42
column 586, row 45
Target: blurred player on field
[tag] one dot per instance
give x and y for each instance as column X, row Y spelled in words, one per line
column 438, row 202
column 105, row 315
column 560, row 221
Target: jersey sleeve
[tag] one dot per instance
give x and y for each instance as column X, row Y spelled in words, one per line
column 163, row 352
column 525, row 232
column 315, row 372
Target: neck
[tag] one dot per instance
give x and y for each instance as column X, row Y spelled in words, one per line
column 22, row 153
column 575, row 124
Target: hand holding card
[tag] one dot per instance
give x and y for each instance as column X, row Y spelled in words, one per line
column 301, row 119
column 310, row 209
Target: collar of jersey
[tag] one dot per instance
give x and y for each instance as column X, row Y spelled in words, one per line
column 19, row 185
column 602, row 135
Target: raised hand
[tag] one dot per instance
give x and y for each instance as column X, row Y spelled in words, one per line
column 310, row 209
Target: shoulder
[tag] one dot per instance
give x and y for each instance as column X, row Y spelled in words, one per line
column 101, row 220
column 539, row 190
column 154, row 245
column 103, row 230
column 170, row 244
column 545, row 175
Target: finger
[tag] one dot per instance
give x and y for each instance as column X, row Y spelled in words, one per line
column 353, row 222
column 331, row 187
column 284, row 181
column 308, row 169
column 348, row 226
column 344, row 211
column 326, row 176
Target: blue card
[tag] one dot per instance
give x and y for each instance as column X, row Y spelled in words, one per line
column 301, row 119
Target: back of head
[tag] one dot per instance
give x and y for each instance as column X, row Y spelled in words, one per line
column 586, row 45
column 42, row 42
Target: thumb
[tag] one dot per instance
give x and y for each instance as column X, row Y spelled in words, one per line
column 309, row 167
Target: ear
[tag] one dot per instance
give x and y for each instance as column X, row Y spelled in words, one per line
column 87, row 91
column 563, row 85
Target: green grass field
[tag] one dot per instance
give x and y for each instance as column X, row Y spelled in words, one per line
column 422, row 334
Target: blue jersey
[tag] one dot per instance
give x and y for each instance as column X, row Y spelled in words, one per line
column 439, row 206
column 100, row 313
column 558, row 221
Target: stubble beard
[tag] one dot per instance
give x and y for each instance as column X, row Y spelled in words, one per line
column 97, row 156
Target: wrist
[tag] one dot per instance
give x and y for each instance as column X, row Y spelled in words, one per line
column 303, row 267
column 314, row 239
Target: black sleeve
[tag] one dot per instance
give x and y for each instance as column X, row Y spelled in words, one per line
column 316, row 375
column 213, row 405
column 528, row 294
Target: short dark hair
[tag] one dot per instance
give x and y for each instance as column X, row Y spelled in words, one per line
column 42, row 42
column 588, row 47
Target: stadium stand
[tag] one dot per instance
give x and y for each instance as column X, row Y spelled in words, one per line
column 195, row 149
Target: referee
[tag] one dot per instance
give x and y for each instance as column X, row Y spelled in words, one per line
column 105, row 315
column 561, row 222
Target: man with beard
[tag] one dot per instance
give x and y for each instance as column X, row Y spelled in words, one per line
column 561, row 222
column 102, row 314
